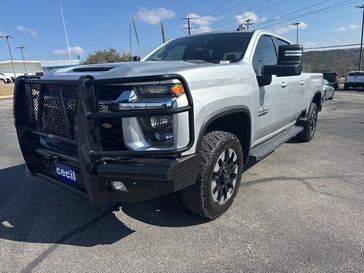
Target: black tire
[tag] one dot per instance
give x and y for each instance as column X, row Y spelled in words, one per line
column 346, row 87
column 199, row 198
column 309, row 128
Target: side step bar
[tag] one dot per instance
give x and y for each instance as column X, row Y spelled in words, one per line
column 262, row 150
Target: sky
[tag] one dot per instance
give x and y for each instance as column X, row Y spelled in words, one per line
column 93, row 25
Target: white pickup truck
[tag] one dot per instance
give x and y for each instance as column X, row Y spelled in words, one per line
column 190, row 117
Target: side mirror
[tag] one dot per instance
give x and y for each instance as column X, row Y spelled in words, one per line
column 136, row 59
column 289, row 62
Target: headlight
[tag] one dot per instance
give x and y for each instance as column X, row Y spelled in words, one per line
column 159, row 91
column 158, row 130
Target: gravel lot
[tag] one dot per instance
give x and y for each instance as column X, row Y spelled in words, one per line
column 299, row 210
column 6, row 89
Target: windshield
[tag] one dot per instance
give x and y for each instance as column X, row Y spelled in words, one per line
column 356, row 74
column 212, row 48
column 331, row 77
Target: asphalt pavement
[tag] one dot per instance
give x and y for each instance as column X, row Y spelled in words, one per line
column 299, row 210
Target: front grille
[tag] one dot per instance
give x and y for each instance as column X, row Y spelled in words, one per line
column 52, row 108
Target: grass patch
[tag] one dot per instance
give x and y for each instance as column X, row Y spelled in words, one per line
column 6, row 89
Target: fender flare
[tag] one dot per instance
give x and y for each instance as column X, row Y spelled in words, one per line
column 318, row 106
column 218, row 114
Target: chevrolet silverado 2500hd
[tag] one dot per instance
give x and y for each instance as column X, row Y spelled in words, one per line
column 189, row 118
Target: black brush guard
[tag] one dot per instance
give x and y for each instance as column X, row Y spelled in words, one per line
column 69, row 115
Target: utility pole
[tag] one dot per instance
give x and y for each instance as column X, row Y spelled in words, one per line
column 189, row 27
column 131, row 58
column 248, row 23
column 65, row 34
column 22, row 54
column 361, row 40
column 297, row 26
column 11, row 56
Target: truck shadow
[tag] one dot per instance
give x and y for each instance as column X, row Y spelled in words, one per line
column 38, row 212
column 166, row 211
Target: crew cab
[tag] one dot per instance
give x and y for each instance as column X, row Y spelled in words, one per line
column 190, row 117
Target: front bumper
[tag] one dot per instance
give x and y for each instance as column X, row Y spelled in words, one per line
column 144, row 178
column 145, row 174
column 355, row 84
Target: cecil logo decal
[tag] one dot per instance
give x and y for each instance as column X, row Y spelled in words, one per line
column 65, row 174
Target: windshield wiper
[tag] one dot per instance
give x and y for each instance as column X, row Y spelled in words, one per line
column 196, row 61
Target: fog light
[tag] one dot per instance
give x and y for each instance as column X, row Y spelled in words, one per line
column 158, row 130
column 118, row 186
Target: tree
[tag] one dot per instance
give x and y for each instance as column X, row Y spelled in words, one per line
column 343, row 66
column 107, row 56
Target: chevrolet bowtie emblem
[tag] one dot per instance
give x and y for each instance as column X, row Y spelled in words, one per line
column 106, row 125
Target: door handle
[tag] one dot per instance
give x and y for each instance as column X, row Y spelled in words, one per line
column 284, row 84
column 302, row 82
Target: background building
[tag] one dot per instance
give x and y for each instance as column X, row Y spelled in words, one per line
column 33, row 67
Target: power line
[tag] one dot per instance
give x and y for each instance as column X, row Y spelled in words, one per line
column 296, row 11
column 332, row 46
column 224, row 10
column 219, row 8
column 303, row 14
column 224, row 21
column 230, row 20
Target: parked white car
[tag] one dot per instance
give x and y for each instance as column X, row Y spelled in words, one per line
column 328, row 91
column 4, row 79
column 354, row 79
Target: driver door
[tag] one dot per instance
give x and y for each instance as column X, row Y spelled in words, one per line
column 271, row 100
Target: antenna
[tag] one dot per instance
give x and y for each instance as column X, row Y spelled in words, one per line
column 65, row 34
column 163, row 34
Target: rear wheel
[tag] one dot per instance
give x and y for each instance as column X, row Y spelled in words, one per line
column 309, row 128
column 221, row 165
column 2, row 81
column 346, row 86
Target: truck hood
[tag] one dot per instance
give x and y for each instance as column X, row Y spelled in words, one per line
column 120, row 70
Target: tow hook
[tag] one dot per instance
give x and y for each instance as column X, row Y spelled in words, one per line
column 50, row 161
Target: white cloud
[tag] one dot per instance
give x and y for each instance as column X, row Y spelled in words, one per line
column 309, row 44
column 200, row 23
column 74, row 51
column 31, row 32
column 154, row 16
column 288, row 28
column 2, row 33
column 249, row 15
column 348, row 28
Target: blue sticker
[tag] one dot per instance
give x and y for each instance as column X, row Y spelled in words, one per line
column 66, row 174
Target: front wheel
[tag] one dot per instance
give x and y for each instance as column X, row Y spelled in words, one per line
column 309, row 128
column 221, row 166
